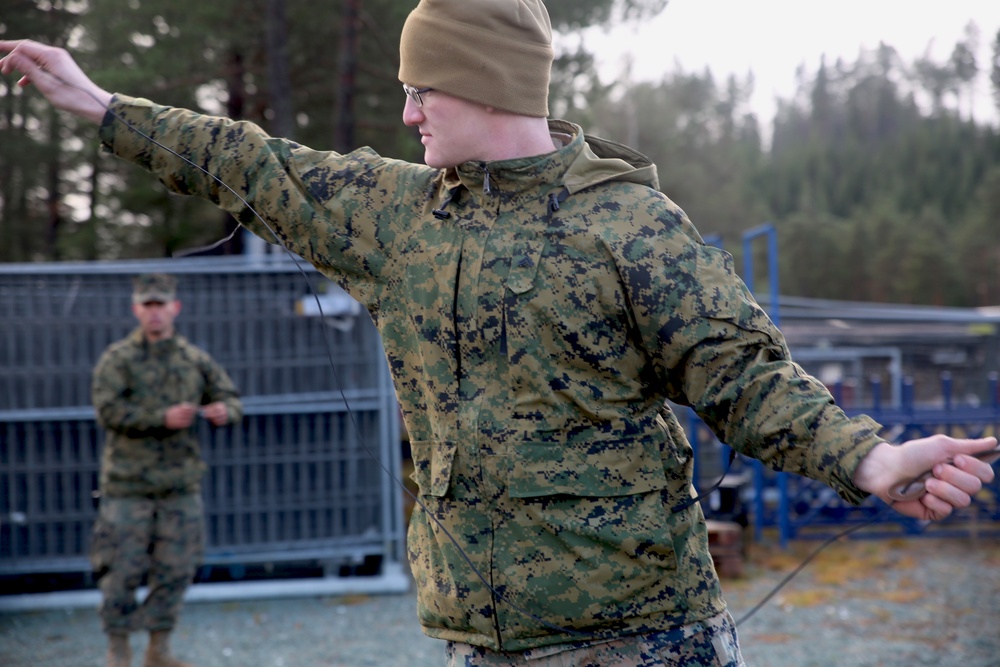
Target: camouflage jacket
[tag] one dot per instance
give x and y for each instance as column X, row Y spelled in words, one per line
column 134, row 382
column 537, row 314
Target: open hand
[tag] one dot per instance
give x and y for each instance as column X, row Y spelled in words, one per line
column 56, row 75
column 956, row 473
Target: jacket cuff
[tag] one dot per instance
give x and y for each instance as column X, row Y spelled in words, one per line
column 865, row 438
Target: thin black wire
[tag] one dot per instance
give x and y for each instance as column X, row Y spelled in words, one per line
column 808, row 559
column 697, row 499
column 437, row 522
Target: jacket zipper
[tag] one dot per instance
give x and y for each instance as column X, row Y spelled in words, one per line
column 487, row 188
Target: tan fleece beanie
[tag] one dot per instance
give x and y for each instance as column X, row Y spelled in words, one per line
column 495, row 52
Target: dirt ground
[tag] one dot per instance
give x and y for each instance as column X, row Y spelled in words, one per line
column 861, row 603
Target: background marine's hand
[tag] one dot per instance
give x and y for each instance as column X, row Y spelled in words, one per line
column 217, row 413
column 180, row 416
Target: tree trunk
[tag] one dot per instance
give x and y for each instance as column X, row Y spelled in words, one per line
column 347, row 80
column 235, row 106
column 279, row 79
column 52, row 170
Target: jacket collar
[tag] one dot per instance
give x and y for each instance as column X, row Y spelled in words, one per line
column 137, row 338
column 581, row 162
column 519, row 175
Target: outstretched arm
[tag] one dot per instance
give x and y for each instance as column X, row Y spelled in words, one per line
column 956, row 473
column 56, row 75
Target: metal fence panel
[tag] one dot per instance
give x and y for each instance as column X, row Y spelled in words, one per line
column 58, row 318
column 311, row 471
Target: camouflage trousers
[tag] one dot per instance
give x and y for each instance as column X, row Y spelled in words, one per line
column 159, row 539
column 709, row 643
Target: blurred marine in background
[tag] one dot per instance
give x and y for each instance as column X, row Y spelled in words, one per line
column 148, row 391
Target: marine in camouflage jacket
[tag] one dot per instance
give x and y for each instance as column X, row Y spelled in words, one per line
column 133, row 384
column 536, row 314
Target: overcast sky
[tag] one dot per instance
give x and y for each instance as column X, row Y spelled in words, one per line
column 773, row 37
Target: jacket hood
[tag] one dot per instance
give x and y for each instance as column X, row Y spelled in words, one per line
column 601, row 161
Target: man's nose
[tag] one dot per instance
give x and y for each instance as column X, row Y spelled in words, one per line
column 412, row 114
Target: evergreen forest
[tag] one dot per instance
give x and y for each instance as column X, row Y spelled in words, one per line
column 880, row 183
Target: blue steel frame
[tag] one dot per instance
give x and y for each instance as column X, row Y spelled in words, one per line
column 803, row 508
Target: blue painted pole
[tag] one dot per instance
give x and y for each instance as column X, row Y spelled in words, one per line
column 784, row 518
column 993, row 380
column 768, row 230
column 785, row 511
column 713, row 239
column 758, row 500
column 908, row 395
column 946, row 389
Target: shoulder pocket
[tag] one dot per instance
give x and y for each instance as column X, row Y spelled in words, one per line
column 730, row 301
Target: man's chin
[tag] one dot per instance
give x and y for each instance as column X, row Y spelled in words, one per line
column 436, row 162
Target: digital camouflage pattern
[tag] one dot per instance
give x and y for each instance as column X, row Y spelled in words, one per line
column 150, row 521
column 708, row 643
column 159, row 538
column 159, row 287
column 536, row 314
column 133, row 384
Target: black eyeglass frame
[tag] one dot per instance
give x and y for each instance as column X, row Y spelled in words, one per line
column 415, row 93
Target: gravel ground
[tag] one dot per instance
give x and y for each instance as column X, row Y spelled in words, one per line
column 861, row 603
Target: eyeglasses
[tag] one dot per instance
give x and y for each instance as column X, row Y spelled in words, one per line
column 415, row 93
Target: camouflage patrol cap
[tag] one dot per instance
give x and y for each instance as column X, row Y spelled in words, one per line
column 159, row 287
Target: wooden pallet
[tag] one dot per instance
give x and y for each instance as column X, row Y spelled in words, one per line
column 725, row 543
